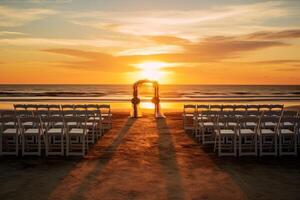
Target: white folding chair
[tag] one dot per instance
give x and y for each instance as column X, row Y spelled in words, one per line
column 107, row 116
column 289, row 113
column 9, row 136
column 247, row 136
column 31, row 136
column 268, row 129
column 287, row 134
column 76, row 137
column 189, row 115
column 54, row 135
column 226, row 136
column 206, row 124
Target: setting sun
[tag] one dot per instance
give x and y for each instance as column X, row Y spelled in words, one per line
column 152, row 70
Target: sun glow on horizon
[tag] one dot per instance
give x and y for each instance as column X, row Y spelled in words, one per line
column 153, row 70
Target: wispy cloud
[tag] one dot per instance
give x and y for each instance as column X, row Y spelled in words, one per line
column 191, row 24
column 11, row 33
column 10, row 17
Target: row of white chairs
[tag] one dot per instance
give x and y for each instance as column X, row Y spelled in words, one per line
column 57, row 132
column 104, row 108
column 222, row 107
column 256, row 129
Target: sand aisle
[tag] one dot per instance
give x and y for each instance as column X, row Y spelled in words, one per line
column 147, row 159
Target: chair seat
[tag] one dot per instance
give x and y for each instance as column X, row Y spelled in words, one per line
column 32, row 131
column 288, row 124
column 246, row 131
column 206, row 124
column 226, row 132
column 109, row 114
column 77, row 131
column 232, row 124
column 270, row 124
column 286, row 131
column 251, row 124
column 10, row 131
column 267, row 131
column 96, row 118
column 90, row 124
column 55, row 131
column 27, row 124
column 10, row 124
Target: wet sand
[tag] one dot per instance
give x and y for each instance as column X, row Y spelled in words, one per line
column 149, row 159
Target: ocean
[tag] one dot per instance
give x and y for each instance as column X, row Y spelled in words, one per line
column 172, row 96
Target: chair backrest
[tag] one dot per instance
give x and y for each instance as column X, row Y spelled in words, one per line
column 227, row 122
column 292, row 121
column 55, row 113
column 252, row 107
column 228, row 107
column 289, row 113
column 239, row 113
column 265, row 107
column 225, row 113
column 80, row 107
column 42, row 107
column 268, row 119
column 67, row 107
column 276, row 107
column 240, row 107
column 81, row 113
column 189, row 108
column 24, row 113
column 55, row 121
column 105, row 108
column 92, row 107
column 19, row 106
column 5, row 122
column 201, row 107
column 248, row 121
column 80, row 121
column 215, row 107
column 41, row 113
column 208, row 115
column 32, row 107
column 54, row 107
column 69, row 113
column 30, row 122
column 271, row 113
column 7, row 113
column 254, row 113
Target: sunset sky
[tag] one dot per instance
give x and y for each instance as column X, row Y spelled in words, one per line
column 175, row 42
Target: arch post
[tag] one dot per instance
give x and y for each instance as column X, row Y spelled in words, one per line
column 136, row 100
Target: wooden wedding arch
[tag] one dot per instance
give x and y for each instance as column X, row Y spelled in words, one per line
column 136, row 100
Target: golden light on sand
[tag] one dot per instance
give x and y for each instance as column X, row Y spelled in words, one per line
column 152, row 70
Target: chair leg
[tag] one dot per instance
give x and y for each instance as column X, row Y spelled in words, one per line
column 23, row 144
column 67, row 145
column 260, row 145
column 17, row 144
column 1, row 144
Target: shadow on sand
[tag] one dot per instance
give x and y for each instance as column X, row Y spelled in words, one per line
column 167, row 157
column 102, row 161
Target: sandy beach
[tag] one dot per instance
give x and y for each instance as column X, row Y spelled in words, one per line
column 147, row 158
